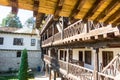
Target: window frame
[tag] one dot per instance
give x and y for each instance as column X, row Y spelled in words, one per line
column 18, row 41
column 1, row 40
column 33, row 42
column 18, row 54
column 88, row 57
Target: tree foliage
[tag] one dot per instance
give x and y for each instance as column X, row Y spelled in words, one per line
column 29, row 22
column 11, row 20
column 23, row 74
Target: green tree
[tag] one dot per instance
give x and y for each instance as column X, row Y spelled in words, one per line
column 29, row 22
column 11, row 20
column 23, row 74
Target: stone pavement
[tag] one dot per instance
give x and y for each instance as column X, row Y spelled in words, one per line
column 41, row 76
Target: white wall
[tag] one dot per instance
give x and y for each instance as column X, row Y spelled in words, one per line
column 8, row 60
column 76, row 57
column 8, row 42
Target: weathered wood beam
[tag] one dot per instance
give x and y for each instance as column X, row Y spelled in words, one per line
column 39, row 19
column 106, row 11
column 58, row 9
column 93, row 9
column 14, row 5
column 116, row 22
column 77, row 8
column 113, row 16
column 35, row 7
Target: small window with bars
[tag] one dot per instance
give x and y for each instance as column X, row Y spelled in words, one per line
column 33, row 42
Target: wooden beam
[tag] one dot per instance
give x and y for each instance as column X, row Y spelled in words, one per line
column 113, row 16
column 116, row 22
column 58, row 9
column 93, row 9
column 77, row 8
column 39, row 18
column 106, row 11
column 35, row 7
column 14, row 5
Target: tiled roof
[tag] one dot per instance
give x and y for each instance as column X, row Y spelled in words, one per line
column 8, row 29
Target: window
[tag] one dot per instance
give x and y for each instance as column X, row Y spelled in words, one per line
column 33, row 42
column 107, row 57
column 88, row 57
column 80, row 56
column 1, row 40
column 18, row 53
column 61, row 55
column 18, row 41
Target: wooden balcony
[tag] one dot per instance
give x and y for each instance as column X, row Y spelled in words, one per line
column 74, row 71
column 80, row 32
column 46, row 22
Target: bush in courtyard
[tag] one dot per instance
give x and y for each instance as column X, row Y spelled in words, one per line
column 23, row 74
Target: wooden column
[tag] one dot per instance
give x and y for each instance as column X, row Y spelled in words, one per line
column 50, row 73
column 54, row 75
column 46, row 71
column 47, row 34
column 96, row 63
column 62, row 32
column 67, row 60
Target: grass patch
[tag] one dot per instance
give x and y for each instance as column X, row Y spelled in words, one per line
column 31, row 77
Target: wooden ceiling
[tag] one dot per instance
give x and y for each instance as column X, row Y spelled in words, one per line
column 107, row 11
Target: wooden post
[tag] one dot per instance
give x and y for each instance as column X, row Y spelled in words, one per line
column 47, row 34
column 96, row 63
column 62, row 32
column 46, row 71
column 54, row 75
column 49, row 73
column 67, row 60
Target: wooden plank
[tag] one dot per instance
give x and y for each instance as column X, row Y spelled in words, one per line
column 58, row 9
column 113, row 16
column 35, row 7
column 14, row 5
column 93, row 9
column 106, row 11
column 77, row 8
column 39, row 18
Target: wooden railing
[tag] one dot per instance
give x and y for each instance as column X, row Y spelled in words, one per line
column 47, row 59
column 49, row 17
column 111, row 70
column 102, row 76
column 74, row 29
column 47, row 41
column 63, row 64
column 80, row 72
column 57, row 36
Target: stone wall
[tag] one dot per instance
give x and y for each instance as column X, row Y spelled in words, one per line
column 10, row 61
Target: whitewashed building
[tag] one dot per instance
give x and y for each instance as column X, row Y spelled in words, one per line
column 11, row 45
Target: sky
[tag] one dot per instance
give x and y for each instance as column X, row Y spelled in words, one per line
column 22, row 14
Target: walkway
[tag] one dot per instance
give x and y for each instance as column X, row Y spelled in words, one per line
column 41, row 76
